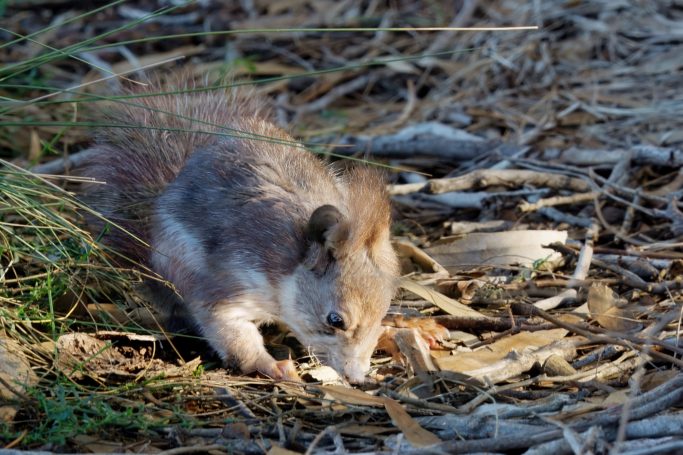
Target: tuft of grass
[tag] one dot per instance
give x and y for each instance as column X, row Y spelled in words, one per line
column 64, row 410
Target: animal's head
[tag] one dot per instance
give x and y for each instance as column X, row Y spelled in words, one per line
column 342, row 290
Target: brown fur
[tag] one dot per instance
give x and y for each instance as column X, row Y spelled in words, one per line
column 226, row 215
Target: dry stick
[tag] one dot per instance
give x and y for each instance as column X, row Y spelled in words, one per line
column 466, row 227
column 578, row 198
column 505, row 177
column 638, row 253
column 408, row 108
column 605, row 370
column 585, row 259
column 61, row 165
column 562, row 217
column 469, row 199
column 641, row 154
column 635, row 261
column 627, row 222
column 656, row 400
column 664, row 320
column 629, row 278
column 580, row 272
column 336, row 93
column 660, row 426
column 661, row 445
column 624, row 340
column 423, row 139
column 636, row 379
column 467, row 324
column 328, row 430
column 542, row 166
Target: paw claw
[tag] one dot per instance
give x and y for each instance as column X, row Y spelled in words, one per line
column 281, row 370
column 432, row 332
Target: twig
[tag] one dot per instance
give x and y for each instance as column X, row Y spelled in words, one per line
column 513, row 178
column 561, row 217
column 330, row 430
column 604, row 337
column 578, row 198
column 336, row 93
column 424, row 139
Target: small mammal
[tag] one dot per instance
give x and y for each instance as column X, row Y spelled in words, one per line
column 247, row 225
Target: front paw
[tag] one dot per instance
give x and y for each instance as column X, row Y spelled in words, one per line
column 279, row 370
column 432, row 332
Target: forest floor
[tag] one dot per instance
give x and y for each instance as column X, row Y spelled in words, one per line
column 537, row 183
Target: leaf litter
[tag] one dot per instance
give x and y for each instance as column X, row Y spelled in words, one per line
column 537, row 215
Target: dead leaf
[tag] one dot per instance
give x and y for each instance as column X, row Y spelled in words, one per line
column 499, row 249
column 617, row 397
column 486, row 355
column 611, row 313
column 7, row 413
column 557, row 366
column 656, row 378
column 364, row 430
column 463, row 290
column 80, row 352
column 15, row 369
column 447, row 304
column 126, row 66
column 415, row 349
column 413, row 432
column 323, row 374
column 408, row 250
column 352, row 396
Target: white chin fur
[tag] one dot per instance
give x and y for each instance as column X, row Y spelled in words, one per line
column 355, row 372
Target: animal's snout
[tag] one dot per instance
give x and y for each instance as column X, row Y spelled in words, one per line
column 355, row 371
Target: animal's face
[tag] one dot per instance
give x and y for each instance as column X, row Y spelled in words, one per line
column 337, row 311
column 336, row 299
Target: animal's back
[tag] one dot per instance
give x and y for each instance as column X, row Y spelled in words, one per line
column 247, row 225
column 147, row 140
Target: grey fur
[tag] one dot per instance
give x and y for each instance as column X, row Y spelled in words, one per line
column 227, row 220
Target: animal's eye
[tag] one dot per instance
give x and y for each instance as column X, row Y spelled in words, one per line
column 336, row 321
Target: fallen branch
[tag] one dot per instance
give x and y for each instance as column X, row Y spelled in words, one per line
column 424, row 139
column 641, row 154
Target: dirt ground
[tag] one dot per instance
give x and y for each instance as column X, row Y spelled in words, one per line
column 536, row 183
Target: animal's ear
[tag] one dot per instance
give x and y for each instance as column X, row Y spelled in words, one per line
column 327, row 227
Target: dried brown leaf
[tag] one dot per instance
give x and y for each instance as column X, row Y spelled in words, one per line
column 7, row 413
column 352, row 396
column 15, row 369
column 486, row 355
column 412, row 430
column 447, row 304
column 499, row 249
column 611, row 313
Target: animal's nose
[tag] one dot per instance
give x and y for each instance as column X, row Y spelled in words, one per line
column 354, row 373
